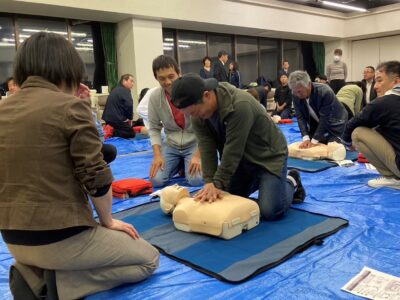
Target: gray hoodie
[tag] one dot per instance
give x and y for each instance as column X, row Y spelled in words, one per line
column 160, row 115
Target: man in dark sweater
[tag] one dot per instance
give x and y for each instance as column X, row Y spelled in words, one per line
column 283, row 99
column 252, row 150
column 119, row 108
column 375, row 131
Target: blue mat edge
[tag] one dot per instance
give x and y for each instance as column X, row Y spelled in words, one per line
column 314, row 241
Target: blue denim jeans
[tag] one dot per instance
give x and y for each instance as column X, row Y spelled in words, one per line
column 275, row 193
column 284, row 114
column 174, row 159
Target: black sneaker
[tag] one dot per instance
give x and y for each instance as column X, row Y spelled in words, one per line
column 300, row 194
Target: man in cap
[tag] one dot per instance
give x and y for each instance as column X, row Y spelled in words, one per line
column 252, row 150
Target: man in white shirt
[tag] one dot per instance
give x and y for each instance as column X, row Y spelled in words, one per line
column 369, row 81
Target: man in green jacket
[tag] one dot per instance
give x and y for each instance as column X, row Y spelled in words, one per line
column 251, row 148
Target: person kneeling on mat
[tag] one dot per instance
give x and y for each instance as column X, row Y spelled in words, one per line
column 51, row 163
column 252, row 149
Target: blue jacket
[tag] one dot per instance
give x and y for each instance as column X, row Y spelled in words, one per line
column 234, row 79
column 331, row 113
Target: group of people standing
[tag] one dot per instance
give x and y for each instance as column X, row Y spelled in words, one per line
column 219, row 71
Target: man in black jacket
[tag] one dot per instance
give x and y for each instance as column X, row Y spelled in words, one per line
column 376, row 130
column 369, row 81
column 119, row 108
column 220, row 73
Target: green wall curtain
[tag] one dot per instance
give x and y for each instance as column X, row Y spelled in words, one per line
column 319, row 57
column 110, row 54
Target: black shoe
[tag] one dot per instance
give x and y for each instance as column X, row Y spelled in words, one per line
column 300, row 194
column 19, row 287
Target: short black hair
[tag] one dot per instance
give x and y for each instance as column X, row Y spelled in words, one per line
column 206, row 58
column 164, row 62
column 9, row 79
column 222, row 53
column 125, row 77
column 143, row 92
column 51, row 57
column 391, row 68
column 370, row 67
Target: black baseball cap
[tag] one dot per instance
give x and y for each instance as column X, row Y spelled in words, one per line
column 189, row 89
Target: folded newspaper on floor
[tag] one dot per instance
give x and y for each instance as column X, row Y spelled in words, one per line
column 372, row 284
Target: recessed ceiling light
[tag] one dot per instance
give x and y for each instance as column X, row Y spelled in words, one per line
column 345, row 6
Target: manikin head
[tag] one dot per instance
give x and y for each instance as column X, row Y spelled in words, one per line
column 170, row 197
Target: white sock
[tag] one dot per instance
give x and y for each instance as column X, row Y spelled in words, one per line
column 292, row 180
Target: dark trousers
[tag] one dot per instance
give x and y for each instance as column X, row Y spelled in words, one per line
column 122, row 129
column 337, row 84
column 349, row 113
column 109, row 152
column 275, row 193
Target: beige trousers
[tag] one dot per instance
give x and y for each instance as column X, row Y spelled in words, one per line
column 377, row 150
column 95, row 260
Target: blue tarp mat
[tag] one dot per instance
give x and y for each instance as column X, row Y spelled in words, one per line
column 125, row 146
column 316, row 165
column 372, row 239
column 238, row 259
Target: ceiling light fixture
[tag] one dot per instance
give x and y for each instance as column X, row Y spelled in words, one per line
column 350, row 7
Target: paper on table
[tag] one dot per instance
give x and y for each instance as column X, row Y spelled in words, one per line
column 372, row 284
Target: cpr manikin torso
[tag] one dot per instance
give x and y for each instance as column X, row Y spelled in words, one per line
column 333, row 151
column 225, row 218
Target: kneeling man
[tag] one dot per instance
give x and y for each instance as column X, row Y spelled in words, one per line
column 252, row 149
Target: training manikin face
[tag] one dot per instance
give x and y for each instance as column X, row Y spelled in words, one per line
column 170, row 197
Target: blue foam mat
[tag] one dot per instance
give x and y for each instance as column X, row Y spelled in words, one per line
column 372, row 239
column 316, row 165
column 238, row 259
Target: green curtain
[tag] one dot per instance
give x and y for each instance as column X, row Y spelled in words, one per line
column 110, row 53
column 319, row 57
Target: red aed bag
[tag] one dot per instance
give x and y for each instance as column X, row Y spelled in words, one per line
column 108, row 131
column 131, row 187
column 362, row 158
column 137, row 129
column 285, row 121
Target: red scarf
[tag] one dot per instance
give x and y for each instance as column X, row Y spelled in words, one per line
column 179, row 116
